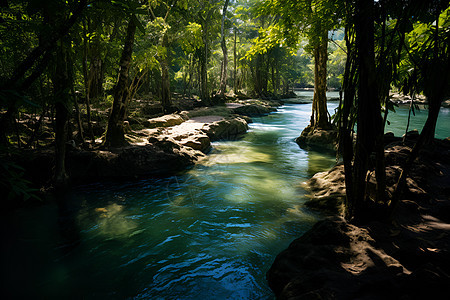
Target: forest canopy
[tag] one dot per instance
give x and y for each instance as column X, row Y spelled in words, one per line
column 76, row 70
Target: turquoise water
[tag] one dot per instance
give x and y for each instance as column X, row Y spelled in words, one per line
column 399, row 119
column 210, row 232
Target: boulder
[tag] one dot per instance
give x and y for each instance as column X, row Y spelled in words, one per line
column 253, row 110
column 318, row 139
column 446, row 103
column 164, row 121
column 227, row 129
column 200, row 142
column 327, row 191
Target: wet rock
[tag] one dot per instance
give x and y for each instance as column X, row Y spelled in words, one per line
column 446, row 103
column 227, row 129
column 389, row 138
column 327, row 191
column 318, row 139
column 401, row 99
column 253, row 110
column 200, row 142
column 164, row 121
column 289, row 95
column 158, row 157
column 413, row 134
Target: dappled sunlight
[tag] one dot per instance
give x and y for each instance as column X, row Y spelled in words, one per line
column 262, row 186
column 228, row 153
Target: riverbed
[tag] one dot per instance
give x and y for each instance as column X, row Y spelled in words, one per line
column 210, row 232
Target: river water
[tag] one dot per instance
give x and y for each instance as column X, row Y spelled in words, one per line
column 210, row 232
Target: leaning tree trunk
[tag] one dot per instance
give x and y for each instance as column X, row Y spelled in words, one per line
column 319, row 117
column 115, row 135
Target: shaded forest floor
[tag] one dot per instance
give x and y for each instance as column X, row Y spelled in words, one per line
column 408, row 258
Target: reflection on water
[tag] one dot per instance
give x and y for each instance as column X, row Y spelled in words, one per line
column 211, row 232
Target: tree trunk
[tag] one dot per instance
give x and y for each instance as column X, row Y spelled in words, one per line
column 235, row 63
column 61, row 84
column 44, row 49
column 319, row 118
column 223, row 44
column 345, row 125
column 87, row 84
column 165, row 78
column 369, row 118
column 115, row 135
column 78, row 116
column 204, row 66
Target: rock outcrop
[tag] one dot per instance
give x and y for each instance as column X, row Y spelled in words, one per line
column 254, row 110
column 227, row 129
column 156, row 158
column 318, row 139
column 336, row 260
column 327, row 191
column 164, row 121
column 173, row 146
column 408, row 258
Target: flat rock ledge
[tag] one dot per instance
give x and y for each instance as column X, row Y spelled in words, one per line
column 318, row 139
column 406, row 259
column 152, row 151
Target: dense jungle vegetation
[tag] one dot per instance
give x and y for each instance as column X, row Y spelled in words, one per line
column 66, row 66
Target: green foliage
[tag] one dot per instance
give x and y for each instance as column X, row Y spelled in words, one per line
column 425, row 58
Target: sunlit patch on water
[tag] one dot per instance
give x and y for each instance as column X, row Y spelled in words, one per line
column 232, row 153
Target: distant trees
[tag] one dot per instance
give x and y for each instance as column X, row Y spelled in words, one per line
column 64, row 64
column 314, row 20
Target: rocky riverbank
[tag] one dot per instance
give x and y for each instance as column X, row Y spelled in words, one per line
column 401, row 99
column 165, row 145
column 408, row 258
